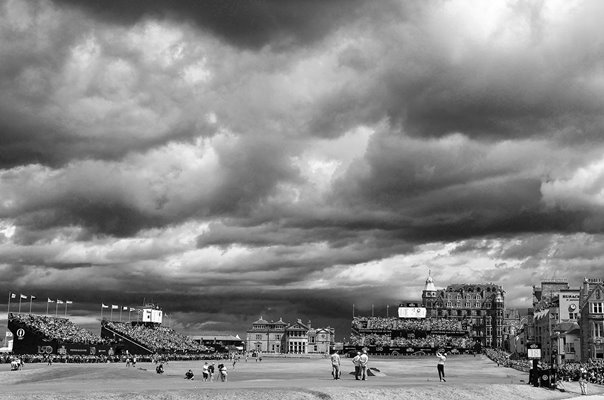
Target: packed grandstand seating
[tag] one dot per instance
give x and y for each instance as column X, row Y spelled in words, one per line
column 408, row 324
column 53, row 328
column 156, row 337
column 594, row 371
column 432, row 341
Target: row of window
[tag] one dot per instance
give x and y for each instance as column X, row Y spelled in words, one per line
column 458, row 296
column 468, row 304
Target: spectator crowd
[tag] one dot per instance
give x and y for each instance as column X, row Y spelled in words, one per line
column 157, row 338
column 54, row 328
column 431, row 341
column 406, row 324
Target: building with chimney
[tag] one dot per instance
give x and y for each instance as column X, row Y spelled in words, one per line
column 279, row 337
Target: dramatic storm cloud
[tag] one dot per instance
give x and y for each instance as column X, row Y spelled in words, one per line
column 231, row 159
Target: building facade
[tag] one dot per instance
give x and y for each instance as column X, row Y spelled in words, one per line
column 279, row 337
column 480, row 308
column 591, row 319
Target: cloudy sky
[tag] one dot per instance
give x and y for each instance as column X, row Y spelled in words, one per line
column 228, row 159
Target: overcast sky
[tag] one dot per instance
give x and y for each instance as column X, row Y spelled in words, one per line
column 229, row 159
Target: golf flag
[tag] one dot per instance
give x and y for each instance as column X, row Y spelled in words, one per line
column 132, row 309
column 50, row 301
column 114, row 307
column 125, row 308
column 69, row 302
column 59, row 301
column 13, row 295
column 104, row 306
column 23, row 296
column 32, row 297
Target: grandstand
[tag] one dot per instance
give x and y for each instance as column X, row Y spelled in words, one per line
column 43, row 334
column 147, row 338
column 39, row 334
column 413, row 335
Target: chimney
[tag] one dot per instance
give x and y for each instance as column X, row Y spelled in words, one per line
column 309, row 324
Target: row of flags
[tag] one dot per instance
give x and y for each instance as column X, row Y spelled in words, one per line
column 114, row 307
column 32, row 297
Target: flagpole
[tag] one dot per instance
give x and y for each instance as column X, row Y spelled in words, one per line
column 101, row 312
column 47, row 302
column 353, row 310
column 65, row 308
column 31, row 298
column 20, row 303
column 57, row 309
column 8, row 311
column 121, row 313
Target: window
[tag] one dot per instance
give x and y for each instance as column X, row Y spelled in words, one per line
column 277, row 337
column 459, row 304
column 597, row 329
column 449, row 304
column 596, row 308
column 487, row 305
column 468, row 305
column 477, row 305
column 258, row 337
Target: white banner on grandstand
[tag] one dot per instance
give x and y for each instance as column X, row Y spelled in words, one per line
column 411, row 312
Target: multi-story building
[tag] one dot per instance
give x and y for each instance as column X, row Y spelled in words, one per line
column 289, row 338
column 511, row 326
column 554, row 322
column 591, row 319
column 479, row 307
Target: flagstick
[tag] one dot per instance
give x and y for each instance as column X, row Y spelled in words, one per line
column 8, row 311
column 47, row 302
column 19, row 303
column 101, row 312
column 30, row 300
column 121, row 313
column 65, row 309
column 57, row 309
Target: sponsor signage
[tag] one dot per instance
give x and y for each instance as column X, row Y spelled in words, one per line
column 412, row 312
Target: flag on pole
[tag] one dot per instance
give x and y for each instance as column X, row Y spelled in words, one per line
column 13, row 295
column 114, row 307
column 24, row 296
column 50, row 301
column 125, row 308
column 104, row 306
column 132, row 309
column 69, row 302
column 59, row 301
column 32, row 297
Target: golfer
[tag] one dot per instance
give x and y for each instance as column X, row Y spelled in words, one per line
column 441, row 365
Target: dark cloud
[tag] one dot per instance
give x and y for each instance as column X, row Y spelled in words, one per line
column 249, row 24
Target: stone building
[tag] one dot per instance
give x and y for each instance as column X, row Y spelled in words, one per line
column 478, row 306
column 591, row 319
column 279, row 337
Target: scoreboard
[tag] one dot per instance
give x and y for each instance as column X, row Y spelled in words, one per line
column 411, row 310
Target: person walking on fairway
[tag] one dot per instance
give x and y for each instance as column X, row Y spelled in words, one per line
column 441, row 365
column 363, row 361
column 335, row 365
column 356, row 361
